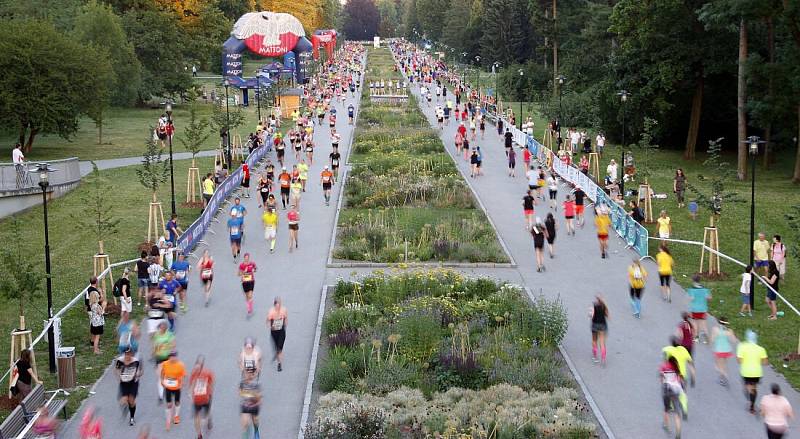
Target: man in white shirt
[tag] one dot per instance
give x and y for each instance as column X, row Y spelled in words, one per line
column 575, row 138
column 601, row 143
column 19, row 163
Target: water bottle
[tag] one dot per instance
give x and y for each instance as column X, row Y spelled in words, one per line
column 779, row 313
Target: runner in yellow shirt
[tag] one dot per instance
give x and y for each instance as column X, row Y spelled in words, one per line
column 208, row 189
column 637, row 278
column 270, row 219
column 665, row 264
column 751, row 358
column 685, row 364
column 303, row 168
column 602, row 222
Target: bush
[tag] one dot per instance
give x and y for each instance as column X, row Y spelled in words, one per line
column 420, row 334
column 339, row 370
column 545, row 322
column 355, row 422
column 455, row 370
column 349, row 317
column 389, row 376
column 346, row 338
column 530, row 369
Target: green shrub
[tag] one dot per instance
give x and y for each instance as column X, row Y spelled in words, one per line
column 420, row 335
column 351, row 316
column 388, row 376
column 355, row 422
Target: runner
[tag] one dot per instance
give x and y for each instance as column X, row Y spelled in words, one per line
column 270, row 219
column 528, row 202
column 250, row 394
column 601, row 222
column 280, row 149
column 665, row 266
column 569, row 214
column 293, row 219
column 776, row 411
column 637, row 277
column 526, row 156
column 181, row 268
column 327, row 179
column 722, row 341
column 552, row 190
column 551, row 227
column 206, row 268
column 350, row 113
column 685, row 366
column 201, row 382
column 539, row 233
column 235, row 231
column 512, row 162
column 302, row 169
column 272, row 203
column 599, row 317
column 285, row 180
column 698, row 307
column 247, row 271
column 169, row 287
column 295, row 192
column 172, row 374
column 541, row 181
column 245, row 179
column 579, row 207
column 157, row 305
column 751, row 358
column 276, row 321
column 264, row 189
column 163, row 343
column 129, row 370
column 334, row 161
column 250, row 360
column 672, row 386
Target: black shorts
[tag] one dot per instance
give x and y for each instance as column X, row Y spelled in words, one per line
column 130, row 388
column 278, row 337
column 599, row 327
column 247, row 410
column 664, row 279
column 553, row 194
column 636, row 292
column 670, row 399
column 172, row 395
column 285, row 191
column 751, row 380
column 209, row 279
column 551, row 238
column 96, row 330
column 237, row 241
column 248, row 286
column 280, row 152
column 326, row 186
column 246, row 182
column 294, row 226
column 204, row 408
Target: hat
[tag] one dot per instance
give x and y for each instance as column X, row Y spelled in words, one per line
column 325, row 167
column 283, row 168
column 751, row 336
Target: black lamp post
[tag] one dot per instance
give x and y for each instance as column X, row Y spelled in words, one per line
column 495, row 67
column 258, row 98
column 478, row 74
column 170, row 132
column 227, row 124
column 753, row 142
column 43, row 169
column 464, row 61
column 623, row 96
column 521, row 75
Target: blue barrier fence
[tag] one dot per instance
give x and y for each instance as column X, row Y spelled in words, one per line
column 192, row 235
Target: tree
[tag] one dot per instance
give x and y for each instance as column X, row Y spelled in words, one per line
column 219, row 116
column 719, row 172
column 389, row 17
column 430, row 14
column 196, row 131
column 205, row 32
column 48, row 80
column 361, row 19
column 154, row 170
column 22, row 277
column 96, row 214
column 511, row 39
column 647, row 146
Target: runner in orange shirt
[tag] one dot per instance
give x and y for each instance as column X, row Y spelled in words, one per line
column 202, row 384
column 172, row 373
column 285, row 180
column 327, row 180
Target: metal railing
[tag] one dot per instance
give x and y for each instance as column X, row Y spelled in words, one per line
column 14, row 177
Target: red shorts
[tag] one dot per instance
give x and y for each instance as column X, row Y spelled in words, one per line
column 602, row 236
column 723, row 354
column 698, row 315
column 579, row 209
column 528, row 212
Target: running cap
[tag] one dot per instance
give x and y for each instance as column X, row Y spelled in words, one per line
column 325, row 167
column 249, row 342
column 283, row 168
column 751, row 336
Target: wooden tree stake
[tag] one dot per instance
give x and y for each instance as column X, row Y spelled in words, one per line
column 101, row 261
column 711, row 240
column 193, row 183
column 156, row 214
column 20, row 340
column 594, row 166
column 646, row 196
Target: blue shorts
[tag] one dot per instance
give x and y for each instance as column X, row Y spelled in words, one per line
column 745, row 298
column 184, row 285
column 761, row 263
column 237, row 241
column 143, row 282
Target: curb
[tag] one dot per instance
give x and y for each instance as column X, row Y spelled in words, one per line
column 422, row 264
column 313, row 368
column 592, row 404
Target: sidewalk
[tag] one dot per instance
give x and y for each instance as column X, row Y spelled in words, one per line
column 86, row 165
column 627, row 391
column 219, row 330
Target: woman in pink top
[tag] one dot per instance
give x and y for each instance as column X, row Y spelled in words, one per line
column 293, row 218
column 276, row 320
column 569, row 214
column 779, row 254
column 776, row 411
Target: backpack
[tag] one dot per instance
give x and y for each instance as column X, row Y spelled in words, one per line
column 117, row 290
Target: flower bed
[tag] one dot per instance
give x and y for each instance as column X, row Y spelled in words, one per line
column 404, row 197
column 428, row 352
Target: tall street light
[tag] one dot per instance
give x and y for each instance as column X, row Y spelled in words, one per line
column 478, row 75
column 227, row 124
column 623, row 96
column 561, row 79
column 170, row 132
column 521, row 75
column 495, row 67
column 753, row 143
column 258, row 98
column 43, row 169
column 464, row 61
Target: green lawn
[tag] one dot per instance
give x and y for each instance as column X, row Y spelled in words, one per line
column 72, row 248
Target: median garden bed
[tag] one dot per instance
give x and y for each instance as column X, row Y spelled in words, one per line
column 430, row 352
column 404, row 199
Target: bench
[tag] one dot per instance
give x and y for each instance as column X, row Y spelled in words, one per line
column 12, row 426
column 36, row 400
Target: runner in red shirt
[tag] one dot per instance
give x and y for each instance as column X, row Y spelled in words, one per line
column 246, row 179
column 247, row 272
column 201, row 383
column 526, row 157
column 569, row 214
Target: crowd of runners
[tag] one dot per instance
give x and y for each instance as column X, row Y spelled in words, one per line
column 445, row 90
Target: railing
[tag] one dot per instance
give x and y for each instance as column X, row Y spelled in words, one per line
column 14, row 177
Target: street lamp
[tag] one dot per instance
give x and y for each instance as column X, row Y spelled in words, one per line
column 464, row 61
column 478, row 75
column 753, row 142
column 521, row 74
column 623, row 96
column 561, row 79
column 170, row 132
column 227, row 124
column 258, row 98
column 43, row 169
column 495, row 67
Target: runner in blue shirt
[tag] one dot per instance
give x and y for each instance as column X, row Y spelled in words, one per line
column 235, row 225
column 350, row 113
column 238, row 209
column 698, row 307
column 169, row 286
column 181, row 269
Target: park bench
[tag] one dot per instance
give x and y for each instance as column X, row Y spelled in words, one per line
column 13, row 424
column 36, row 400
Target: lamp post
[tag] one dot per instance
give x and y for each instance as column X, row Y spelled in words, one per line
column 170, row 132
column 623, row 96
column 753, row 143
column 464, row 61
column 561, row 79
column 521, row 75
column 227, row 124
column 43, row 169
column 478, row 75
column 258, row 98
column 495, row 67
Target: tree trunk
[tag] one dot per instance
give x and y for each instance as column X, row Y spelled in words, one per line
column 23, row 129
column 29, row 144
column 99, row 124
column 796, row 176
column 694, row 118
column 555, row 46
column 770, row 89
column 741, row 105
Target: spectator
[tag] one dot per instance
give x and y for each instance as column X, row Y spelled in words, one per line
column 19, row 163
column 208, row 189
column 611, row 171
column 679, row 186
column 636, row 211
column 173, row 231
column 664, row 225
column 773, row 278
column 96, row 320
column 761, row 249
column 25, row 375
column 601, row 143
column 778, row 253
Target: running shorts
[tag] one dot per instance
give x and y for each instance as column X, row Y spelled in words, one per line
column 172, row 395
column 278, row 337
column 206, row 408
column 326, row 186
column 553, row 194
column 664, row 279
column 294, row 226
column 698, row 316
column 248, row 286
column 528, row 211
column 579, row 209
column 130, row 388
column 602, row 236
column 269, row 232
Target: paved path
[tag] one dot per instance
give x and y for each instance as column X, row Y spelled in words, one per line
column 219, row 330
column 627, row 391
column 86, row 165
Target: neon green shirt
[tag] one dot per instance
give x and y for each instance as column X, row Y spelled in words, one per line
column 751, row 356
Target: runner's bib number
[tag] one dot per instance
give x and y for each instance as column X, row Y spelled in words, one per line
column 234, row 230
column 247, row 277
column 170, row 382
column 277, row 324
column 206, row 273
column 200, row 388
column 180, row 274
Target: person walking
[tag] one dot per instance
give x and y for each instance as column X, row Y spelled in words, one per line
column 598, row 314
column 752, row 358
column 552, row 189
column 235, row 225
column 97, row 319
column 539, row 233
column 679, row 187
column 276, row 321
column 512, row 162
column 778, row 253
column 528, row 203
column 551, row 227
column 270, row 220
column 122, row 289
column 579, row 196
column 142, row 278
column 250, row 405
column 744, row 292
column 206, row 268
column 327, row 179
column 181, row 269
column 773, row 279
column 602, row 222
column 201, row 384
column 25, row 375
column 247, row 274
column 684, row 332
column 664, row 225
column 722, row 341
column 637, row 278
column 776, row 412
column 172, row 374
column 129, row 370
column 698, row 307
column 665, row 267
column 761, row 249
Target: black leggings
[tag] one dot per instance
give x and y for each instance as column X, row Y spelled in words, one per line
column 773, row 434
